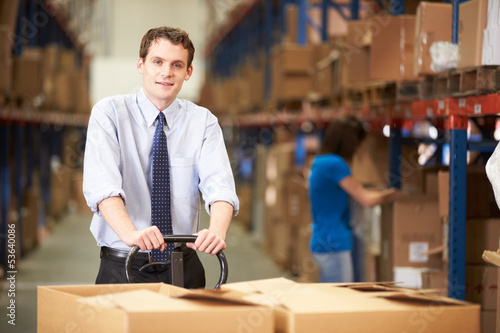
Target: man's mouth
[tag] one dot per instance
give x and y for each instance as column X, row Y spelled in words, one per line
column 166, row 84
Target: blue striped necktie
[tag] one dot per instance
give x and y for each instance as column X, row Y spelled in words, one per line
column 160, row 195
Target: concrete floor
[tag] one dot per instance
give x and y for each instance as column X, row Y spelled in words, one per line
column 69, row 256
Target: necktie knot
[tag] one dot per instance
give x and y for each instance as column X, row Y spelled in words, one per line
column 161, row 119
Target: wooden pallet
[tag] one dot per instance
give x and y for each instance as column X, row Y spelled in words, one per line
column 403, row 91
column 474, row 81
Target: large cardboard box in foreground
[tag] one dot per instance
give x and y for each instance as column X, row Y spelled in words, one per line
column 362, row 307
column 493, row 257
column 141, row 308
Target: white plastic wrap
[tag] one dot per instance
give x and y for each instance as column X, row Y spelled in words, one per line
column 493, row 173
column 444, row 56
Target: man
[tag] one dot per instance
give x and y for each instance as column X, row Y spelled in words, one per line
column 118, row 167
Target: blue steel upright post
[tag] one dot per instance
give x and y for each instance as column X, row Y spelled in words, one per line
column 457, row 209
column 302, row 26
column 394, row 177
column 268, row 42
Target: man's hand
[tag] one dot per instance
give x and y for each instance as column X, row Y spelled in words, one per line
column 147, row 239
column 208, row 241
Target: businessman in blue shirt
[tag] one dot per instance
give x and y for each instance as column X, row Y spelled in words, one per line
column 118, row 168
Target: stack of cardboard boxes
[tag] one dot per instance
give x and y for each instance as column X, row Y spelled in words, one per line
column 8, row 19
column 262, row 306
column 35, row 80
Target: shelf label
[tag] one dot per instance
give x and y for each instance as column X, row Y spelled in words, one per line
column 429, row 111
column 441, row 105
column 408, row 113
column 461, row 102
column 477, row 108
column 417, row 250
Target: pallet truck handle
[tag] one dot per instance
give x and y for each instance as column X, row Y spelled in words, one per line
column 178, row 239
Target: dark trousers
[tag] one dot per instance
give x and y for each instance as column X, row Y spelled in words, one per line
column 112, row 270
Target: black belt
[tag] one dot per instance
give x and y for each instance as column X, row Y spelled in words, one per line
column 122, row 253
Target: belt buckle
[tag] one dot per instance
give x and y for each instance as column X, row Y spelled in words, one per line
column 150, row 259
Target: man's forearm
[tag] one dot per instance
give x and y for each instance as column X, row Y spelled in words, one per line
column 114, row 212
column 221, row 214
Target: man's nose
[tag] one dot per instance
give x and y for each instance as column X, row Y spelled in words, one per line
column 166, row 70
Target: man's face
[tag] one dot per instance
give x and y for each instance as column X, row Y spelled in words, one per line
column 164, row 71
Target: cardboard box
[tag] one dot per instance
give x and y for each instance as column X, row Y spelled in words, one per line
column 337, row 25
column 357, row 53
column 471, row 23
column 290, row 78
column 5, row 75
column 493, row 257
column 298, row 209
column 280, row 159
column 488, row 321
column 7, row 39
column 436, row 279
column 481, row 234
column 8, row 13
column 392, row 49
column 27, row 74
column 290, row 87
column 29, row 218
column 417, row 229
column 152, row 307
column 291, row 23
column 293, row 58
column 481, row 285
column 364, row 307
column 433, row 24
column 480, row 199
column 302, row 263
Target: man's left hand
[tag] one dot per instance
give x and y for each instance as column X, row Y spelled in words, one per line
column 208, row 241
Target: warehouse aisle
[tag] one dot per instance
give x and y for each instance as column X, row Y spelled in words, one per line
column 70, row 256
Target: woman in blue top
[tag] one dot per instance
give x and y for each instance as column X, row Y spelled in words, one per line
column 330, row 186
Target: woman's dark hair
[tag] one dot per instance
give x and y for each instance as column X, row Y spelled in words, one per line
column 343, row 137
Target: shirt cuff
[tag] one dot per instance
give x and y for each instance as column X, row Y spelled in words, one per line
column 95, row 201
column 232, row 200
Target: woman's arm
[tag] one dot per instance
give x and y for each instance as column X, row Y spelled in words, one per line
column 365, row 197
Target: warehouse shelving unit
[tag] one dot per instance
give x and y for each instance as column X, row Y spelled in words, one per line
column 31, row 136
column 450, row 114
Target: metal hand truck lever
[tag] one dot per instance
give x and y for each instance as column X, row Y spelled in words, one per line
column 176, row 262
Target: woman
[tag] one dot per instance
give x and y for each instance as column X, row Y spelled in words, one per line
column 330, row 187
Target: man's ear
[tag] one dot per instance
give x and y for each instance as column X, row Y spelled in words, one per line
column 140, row 63
column 189, row 73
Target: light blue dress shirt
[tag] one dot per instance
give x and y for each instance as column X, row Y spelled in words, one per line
column 118, row 154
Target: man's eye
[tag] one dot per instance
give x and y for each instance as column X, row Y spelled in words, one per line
column 158, row 62
column 177, row 65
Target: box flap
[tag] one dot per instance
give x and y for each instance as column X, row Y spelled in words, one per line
column 261, row 286
column 143, row 300
column 372, row 286
column 225, row 296
column 492, row 257
column 422, row 297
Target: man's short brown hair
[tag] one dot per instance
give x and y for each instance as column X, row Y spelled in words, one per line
column 175, row 35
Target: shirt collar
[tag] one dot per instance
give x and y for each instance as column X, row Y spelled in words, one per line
column 151, row 112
